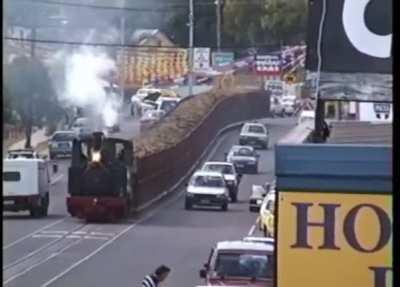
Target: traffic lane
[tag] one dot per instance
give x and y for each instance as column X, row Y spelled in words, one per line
column 17, row 225
column 173, row 236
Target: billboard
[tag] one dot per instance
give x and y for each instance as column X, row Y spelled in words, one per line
column 376, row 112
column 334, row 239
column 269, row 65
column 201, row 58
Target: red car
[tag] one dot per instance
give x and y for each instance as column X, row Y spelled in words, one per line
column 239, row 263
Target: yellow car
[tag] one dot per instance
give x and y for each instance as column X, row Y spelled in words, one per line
column 267, row 214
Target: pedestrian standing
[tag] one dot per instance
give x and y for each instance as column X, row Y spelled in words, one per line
column 154, row 280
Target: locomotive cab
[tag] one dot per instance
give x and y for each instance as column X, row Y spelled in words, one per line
column 100, row 178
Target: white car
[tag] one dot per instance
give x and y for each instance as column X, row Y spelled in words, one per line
column 254, row 134
column 232, row 178
column 274, row 86
column 306, row 116
column 167, row 103
column 82, row 127
column 207, row 188
column 143, row 93
column 26, row 185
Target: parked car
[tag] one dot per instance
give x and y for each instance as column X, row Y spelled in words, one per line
column 288, row 107
column 267, row 215
column 254, row 134
column 60, row 143
column 275, row 87
column 258, row 193
column 239, row 263
column 26, row 185
column 207, row 188
column 150, row 118
column 22, row 153
column 245, row 158
column 232, row 178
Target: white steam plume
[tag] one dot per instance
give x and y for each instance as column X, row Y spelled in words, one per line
column 84, row 86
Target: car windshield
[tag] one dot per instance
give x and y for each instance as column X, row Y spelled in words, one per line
column 168, row 105
column 255, row 129
column 243, row 152
column 244, row 265
column 225, row 169
column 208, row 181
column 63, row 137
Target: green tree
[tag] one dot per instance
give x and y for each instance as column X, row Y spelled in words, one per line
column 32, row 93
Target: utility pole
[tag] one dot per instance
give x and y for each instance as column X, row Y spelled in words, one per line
column 33, row 44
column 218, row 6
column 191, row 43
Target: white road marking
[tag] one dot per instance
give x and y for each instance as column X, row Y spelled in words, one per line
column 54, row 231
column 96, row 237
column 56, row 179
column 253, row 227
column 40, row 262
column 32, row 233
column 30, row 254
column 73, row 236
column 47, row 236
column 84, row 259
column 103, row 233
column 79, row 232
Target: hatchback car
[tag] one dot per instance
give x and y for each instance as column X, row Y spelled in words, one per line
column 207, row 188
column 254, row 134
column 60, row 143
column 245, row 158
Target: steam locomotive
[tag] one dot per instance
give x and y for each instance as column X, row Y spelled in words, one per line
column 100, row 178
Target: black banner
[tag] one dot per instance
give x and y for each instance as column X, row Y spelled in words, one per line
column 356, row 36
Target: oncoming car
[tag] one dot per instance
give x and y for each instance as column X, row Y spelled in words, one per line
column 254, row 134
column 232, row 179
column 245, row 158
column 60, row 143
column 207, row 188
column 239, row 263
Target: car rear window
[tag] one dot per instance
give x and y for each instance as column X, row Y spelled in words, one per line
column 225, row 169
column 244, row 265
column 208, row 181
column 255, row 129
column 243, row 152
column 11, row 176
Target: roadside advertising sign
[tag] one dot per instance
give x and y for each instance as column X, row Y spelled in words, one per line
column 334, row 239
column 222, row 58
column 268, row 65
column 201, row 58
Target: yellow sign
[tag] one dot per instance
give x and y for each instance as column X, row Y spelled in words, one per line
column 334, row 240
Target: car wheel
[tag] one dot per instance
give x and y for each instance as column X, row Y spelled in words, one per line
column 39, row 210
column 224, row 206
column 255, row 170
column 188, row 205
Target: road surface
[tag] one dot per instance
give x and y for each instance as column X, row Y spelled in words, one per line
column 62, row 251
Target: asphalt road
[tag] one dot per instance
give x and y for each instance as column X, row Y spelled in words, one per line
column 62, row 251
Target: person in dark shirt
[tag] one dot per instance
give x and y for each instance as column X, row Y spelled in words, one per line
column 153, row 280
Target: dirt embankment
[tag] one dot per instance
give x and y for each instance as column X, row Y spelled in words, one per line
column 181, row 122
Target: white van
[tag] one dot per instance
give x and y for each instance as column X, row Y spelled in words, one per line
column 26, row 185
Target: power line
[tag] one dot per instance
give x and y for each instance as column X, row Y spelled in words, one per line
column 166, row 8
column 77, row 43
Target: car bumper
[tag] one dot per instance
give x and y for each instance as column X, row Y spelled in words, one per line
column 256, row 142
column 245, row 167
column 57, row 151
column 207, row 200
column 17, row 203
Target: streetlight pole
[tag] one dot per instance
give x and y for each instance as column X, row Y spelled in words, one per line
column 191, row 44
